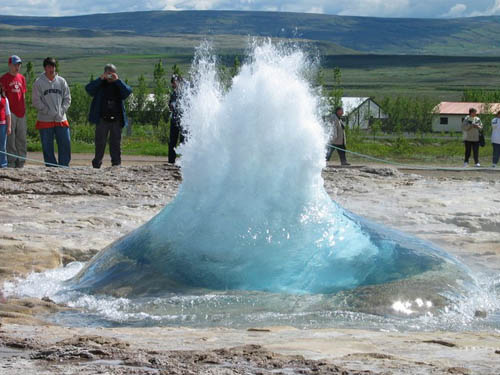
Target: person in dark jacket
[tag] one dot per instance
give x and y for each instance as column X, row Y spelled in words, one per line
column 107, row 112
column 176, row 133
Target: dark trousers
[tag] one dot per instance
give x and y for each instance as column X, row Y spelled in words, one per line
column 175, row 134
column 63, row 140
column 496, row 152
column 102, row 130
column 474, row 146
column 340, row 150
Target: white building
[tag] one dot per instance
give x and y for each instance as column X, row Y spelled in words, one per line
column 360, row 111
column 448, row 116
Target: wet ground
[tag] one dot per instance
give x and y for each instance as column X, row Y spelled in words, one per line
column 51, row 217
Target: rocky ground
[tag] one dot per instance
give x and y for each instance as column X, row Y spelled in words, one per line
column 52, row 216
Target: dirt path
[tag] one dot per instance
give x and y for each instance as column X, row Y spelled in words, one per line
column 84, row 159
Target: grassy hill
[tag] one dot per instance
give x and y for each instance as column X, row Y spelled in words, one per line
column 373, row 63
column 463, row 36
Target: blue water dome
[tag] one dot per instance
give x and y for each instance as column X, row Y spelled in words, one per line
column 252, row 213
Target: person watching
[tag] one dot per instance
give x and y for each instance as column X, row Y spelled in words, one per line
column 52, row 98
column 338, row 138
column 14, row 87
column 176, row 132
column 471, row 126
column 107, row 112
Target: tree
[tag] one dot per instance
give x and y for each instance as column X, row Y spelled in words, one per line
column 176, row 70
column 337, row 91
column 158, row 105
column 236, row 66
column 80, row 105
column 31, row 113
column 30, row 74
column 139, row 101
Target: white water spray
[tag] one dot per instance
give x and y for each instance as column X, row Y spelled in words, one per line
column 252, row 215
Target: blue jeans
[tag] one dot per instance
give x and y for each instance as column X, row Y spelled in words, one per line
column 3, row 146
column 63, row 139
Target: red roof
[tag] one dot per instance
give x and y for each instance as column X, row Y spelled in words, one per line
column 462, row 108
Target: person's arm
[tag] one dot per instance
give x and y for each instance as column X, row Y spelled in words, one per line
column 495, row 123
column 125, row 90
column 8, row 117
column 465, row 124
column 93, row 87
column 37, row 102
column 66, row 101
column 334, row 131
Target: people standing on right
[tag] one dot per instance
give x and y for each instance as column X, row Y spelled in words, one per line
column 107, row 112
column 495, row 139
column 175, row 118
column 5, row 127
column 338, row 136
column 14, row 85
column 52, row 98
column 471, row 125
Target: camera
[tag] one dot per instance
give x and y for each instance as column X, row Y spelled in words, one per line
column 109, row 76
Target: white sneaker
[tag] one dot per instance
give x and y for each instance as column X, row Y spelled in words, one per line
column 493, row 165
column 466, row 165
column 478, row 165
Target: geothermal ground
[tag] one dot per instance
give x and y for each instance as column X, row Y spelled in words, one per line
column 51, row 217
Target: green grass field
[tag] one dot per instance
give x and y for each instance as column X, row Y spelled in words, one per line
column 437, row 77
column 435, row 151
column 442, row 77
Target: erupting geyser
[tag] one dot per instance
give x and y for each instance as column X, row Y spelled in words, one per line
column 252, row 212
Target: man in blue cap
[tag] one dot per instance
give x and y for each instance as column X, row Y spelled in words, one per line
column 14, row 86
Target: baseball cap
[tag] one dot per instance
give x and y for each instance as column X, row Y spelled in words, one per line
column 14, row 59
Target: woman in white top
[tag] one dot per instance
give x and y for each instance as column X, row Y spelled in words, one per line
column 495, row 138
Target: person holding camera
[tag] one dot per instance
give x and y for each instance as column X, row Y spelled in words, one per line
column 107, row 112
column 471, row 127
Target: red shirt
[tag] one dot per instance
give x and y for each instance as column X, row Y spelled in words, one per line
column 3, row 114
column 15, row 88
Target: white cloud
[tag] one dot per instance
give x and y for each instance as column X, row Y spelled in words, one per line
column 379, row 8
column 491, row 11
column 458, row 10
column 317, row 10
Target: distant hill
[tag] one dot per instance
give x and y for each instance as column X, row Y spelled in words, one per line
column 463, row 36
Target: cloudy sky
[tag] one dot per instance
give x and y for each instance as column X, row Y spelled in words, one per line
column 377, row 8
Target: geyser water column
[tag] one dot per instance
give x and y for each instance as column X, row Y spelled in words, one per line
column 252, row 212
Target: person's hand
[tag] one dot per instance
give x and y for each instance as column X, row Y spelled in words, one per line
column 59, row 115
column 9, row 130
column 111, row 77
column 108, row 76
